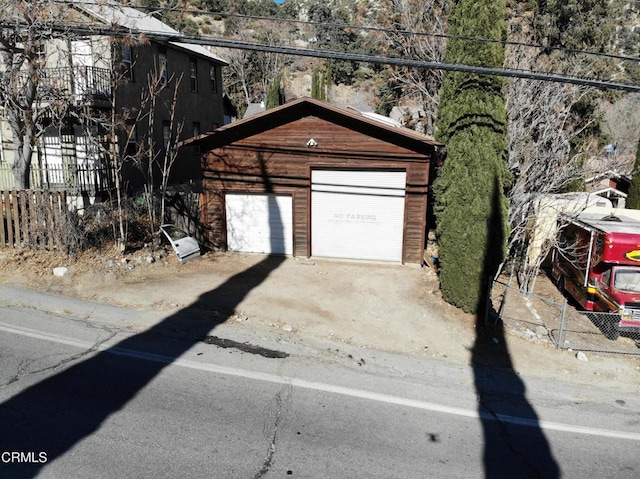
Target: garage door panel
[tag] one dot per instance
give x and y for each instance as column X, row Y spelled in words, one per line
column 358, row 214
column 351, row 180
column 259, row 223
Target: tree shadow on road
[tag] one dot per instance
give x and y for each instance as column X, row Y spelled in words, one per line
column 56, row 414
column 514, row 443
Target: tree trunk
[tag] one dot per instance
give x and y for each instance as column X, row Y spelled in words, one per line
column 22, row 166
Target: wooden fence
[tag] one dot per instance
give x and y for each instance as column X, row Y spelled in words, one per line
column 30, row 218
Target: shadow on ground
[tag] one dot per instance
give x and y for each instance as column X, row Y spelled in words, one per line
column 514, row 443
column 57, row 413
column 54, row 415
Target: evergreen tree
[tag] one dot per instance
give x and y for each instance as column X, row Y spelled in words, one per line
column 578, row 24
column 275, row 94
column 469, row 191
column 319, row 84
column 633, row 197
column 332, row 33
column 315, row 84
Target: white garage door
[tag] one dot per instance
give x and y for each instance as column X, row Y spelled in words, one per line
column 259, row 223
column 357, row 214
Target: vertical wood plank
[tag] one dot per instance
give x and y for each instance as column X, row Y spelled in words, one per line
column 36, row 218
column 62, row 210
column 3, row 238
column 32, row 205
column 49, row 206
column 23, row 212
column 9, row 212
column 11, row 200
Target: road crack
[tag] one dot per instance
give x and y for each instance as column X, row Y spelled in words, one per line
column 271, row 430
column 506, row 437
column 24, row 364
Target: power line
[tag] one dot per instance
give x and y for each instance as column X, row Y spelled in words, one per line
column 330, row 54
column 297, row 51
column 393, row 31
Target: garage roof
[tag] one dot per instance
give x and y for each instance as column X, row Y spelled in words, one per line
column 305, row 107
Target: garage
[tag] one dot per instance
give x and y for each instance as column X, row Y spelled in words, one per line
column 357, row 214
column 311, row 179
column 259, row 223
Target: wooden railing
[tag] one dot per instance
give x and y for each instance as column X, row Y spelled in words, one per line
column 85, row 84
column 74, row 179
column 29, row 218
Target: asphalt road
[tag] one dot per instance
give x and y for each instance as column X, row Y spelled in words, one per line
column 93, row 391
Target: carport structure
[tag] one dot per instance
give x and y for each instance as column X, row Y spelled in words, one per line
column 311, row 179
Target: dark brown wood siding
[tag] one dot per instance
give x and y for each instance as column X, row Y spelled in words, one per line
column 301, row 222
column 278, row 161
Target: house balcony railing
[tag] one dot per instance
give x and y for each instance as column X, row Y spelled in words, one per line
column 84, row 84
column 74, row 179
column 80, row 84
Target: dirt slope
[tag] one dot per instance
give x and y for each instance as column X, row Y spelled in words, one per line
column 370, row 305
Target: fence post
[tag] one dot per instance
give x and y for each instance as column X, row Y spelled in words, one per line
column 562, row 328
column 4, row 197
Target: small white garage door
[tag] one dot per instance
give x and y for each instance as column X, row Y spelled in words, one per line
column 357, row 214
column 259, row 223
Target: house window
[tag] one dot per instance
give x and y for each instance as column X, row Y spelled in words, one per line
column 166, row 135
column 193, row 67
column 41, row 53
column 127, row 62
column 196, row 133
column 162, row 66
column 212, row 77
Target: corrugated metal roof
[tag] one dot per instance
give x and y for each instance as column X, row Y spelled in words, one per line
column 610, row 223
column 111, row 13
column 254, row 109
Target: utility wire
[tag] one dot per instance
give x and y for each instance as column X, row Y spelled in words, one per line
column 244, row 45
column 390, row 31
column 330, row 54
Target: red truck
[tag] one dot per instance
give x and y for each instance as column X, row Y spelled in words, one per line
column 597, row 262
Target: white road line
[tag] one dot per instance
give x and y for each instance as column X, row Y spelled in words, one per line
column 330, row 388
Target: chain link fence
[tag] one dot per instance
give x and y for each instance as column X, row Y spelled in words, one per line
column 549, row 318
column 595, row 331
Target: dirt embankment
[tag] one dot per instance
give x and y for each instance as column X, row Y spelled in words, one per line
column 370, row 305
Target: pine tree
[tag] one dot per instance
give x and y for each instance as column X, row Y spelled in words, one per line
column 471, row 207
column 633, row 197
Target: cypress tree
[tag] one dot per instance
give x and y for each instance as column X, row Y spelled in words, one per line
column 633, row 197
column 472, row 123
column 323, row 85
column 319, row 83
column 275, row 94
column 315, row 84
